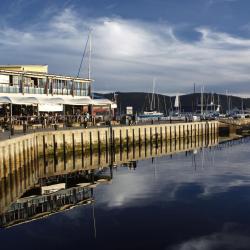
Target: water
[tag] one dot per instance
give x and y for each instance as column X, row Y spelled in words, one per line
column 196, row 199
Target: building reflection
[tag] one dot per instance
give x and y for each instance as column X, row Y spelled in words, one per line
column 52, row 195
column 41, row 188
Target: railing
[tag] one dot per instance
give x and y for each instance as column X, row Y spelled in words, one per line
column 4, row 88
column 80, row 92
column 32, row 90
column 9, row 89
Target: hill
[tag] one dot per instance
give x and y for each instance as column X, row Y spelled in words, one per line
column 141, row 101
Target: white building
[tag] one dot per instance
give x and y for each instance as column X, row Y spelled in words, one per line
column 33, row 85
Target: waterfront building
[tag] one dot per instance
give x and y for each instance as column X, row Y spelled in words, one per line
column 30, row 89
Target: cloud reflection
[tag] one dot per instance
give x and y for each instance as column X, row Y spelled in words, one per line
column 174, row 179
column 229, row 238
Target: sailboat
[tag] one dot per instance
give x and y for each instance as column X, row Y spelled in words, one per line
column 177, row 104
column 176, row 114
column 152, row 113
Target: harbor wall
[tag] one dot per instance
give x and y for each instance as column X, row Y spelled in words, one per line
column 42, row 146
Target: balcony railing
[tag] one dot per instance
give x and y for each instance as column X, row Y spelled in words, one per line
column 32, row 90
column 9, row 89
column 4, row 88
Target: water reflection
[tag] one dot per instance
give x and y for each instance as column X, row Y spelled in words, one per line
column 41, row 188
column 195, row 199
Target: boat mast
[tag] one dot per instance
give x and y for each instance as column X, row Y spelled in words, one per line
column 171, row 105
column 88, row 43
column 218, row 102
column 152, row 103
column 154, row 92
column 179, row 104
column 242, row 106
column 158, row 103
column 212, row 102
column 90, row 54
column 193, row 100
column 165, row 106
column 202, row 90
column 228, row 107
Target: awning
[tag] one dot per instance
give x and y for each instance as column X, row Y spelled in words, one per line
column 67, row 100
column 19, row 100
column 5, row 100
column 51, row 100
column 46, row 107
column 104, row 102
column 78, row 101
column 101, row 102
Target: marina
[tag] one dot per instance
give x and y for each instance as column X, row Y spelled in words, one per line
column 60, row 146
column 124, row 125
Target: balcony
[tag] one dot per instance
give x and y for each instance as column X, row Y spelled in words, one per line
column 4, row 88
column 32, row 90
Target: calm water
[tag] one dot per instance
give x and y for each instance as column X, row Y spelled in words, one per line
column 198, row 199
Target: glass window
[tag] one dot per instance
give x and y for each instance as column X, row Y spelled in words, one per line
column 69, row 85
column 15, row 80
column 42, row 82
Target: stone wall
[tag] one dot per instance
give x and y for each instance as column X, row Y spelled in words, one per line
column 21, row 150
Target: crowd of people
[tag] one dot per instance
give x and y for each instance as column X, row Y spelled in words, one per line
column 45, row 120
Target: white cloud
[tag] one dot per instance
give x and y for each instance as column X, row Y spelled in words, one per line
column 127, row 54
column 211, row 2
column 65, row 22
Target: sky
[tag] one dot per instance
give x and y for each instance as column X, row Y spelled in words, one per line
column 176, row 42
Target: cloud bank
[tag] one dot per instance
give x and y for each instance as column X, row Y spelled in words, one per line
column 128, row 54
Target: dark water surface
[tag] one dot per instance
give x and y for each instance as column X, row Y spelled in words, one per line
column 198, row 199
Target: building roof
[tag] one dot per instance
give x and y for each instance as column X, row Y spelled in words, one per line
column 28, row 67
column 22, row 65
column 42, row 75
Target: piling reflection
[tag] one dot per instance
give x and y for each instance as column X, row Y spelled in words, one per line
column 41, row 188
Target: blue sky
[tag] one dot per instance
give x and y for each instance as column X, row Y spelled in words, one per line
column 178, row 42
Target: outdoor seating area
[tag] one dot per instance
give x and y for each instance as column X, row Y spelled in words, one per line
column 24, row 124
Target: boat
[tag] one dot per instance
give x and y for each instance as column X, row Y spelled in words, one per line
column 176, row 115
column 152, row 113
